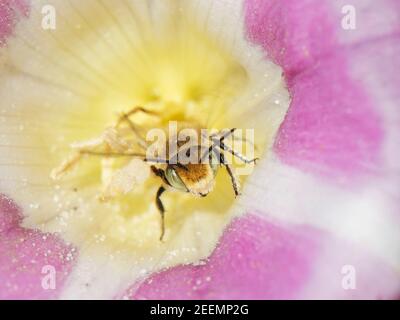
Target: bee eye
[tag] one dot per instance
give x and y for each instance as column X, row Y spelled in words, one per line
column 174, row 180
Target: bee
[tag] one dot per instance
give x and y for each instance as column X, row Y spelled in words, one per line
column 196, row 176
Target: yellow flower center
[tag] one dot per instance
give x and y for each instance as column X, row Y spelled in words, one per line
column 105, row 59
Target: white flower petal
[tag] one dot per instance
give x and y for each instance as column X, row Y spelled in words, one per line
column 66, row 85
column 362, row 215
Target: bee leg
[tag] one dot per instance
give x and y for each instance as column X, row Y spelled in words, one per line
column 140, row 109
column 232, row 135
column 216, row 142
column 132, row 126
column 219, row 142
column 237, row 154
column 235, row 182
column 229, row 169
column 160, row 207
column 247, row 141
column 124, row 117
column 225, row 135
column 159, row 173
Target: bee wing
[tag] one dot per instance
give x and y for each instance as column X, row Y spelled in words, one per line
column 126, row 179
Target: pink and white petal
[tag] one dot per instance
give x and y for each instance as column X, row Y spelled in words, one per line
column 375, row 64
column 374, row 20
column 254, row 260
column 364, row 215
column 294, row 34
column 29, row 257
column 338, row 127
column 334, row 125
column 342, row 123
column 305, row 247
column 257, row 259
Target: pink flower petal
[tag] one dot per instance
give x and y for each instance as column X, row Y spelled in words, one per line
column 254, row 260
column 8, row 15
column 257, row 259
column 295, row 34
column 6, row 20
column 27, row 255
column 333, row 126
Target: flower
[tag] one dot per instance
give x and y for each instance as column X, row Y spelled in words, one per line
column 321, row 203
